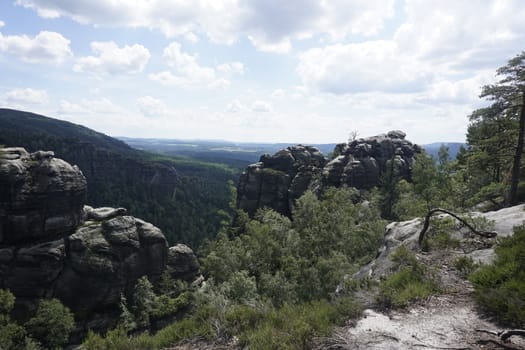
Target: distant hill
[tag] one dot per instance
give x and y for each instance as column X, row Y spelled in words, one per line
column 234, row 153
column 179, row 195
column 242, row 153
column 453, row 148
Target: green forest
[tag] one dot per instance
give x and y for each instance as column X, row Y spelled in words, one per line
column 187, row 204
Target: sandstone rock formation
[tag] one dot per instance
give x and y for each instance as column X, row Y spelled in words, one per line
column 51, row 245
column 277, row 181
column 361, row 162
column 41, row 197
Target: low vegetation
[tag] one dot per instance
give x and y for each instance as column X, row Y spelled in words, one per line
column 271, row 280
column 49, row 327
column 500, row 287
column 411, row 281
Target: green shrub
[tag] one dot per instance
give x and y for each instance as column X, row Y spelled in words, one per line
column 439, row 234
column 294, row 326
column 143, row 298
column 164, row 305
column 500, row 287
column 12, row 335
column 7, row 301
column 51, row 324
column 412, row 281
column 240, row 287
column 465, row 265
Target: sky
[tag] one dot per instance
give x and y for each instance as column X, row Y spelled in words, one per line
column 309, row 71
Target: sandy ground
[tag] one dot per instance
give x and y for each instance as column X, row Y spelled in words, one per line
column 443, row 323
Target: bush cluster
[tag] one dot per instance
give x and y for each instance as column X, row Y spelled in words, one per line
column 49, row 327
column 411, row 281
column 500, row 287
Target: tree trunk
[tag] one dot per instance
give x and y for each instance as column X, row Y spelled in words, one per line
column 515, row 177
column 426, row 225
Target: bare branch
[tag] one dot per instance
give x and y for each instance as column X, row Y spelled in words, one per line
column 485, row 234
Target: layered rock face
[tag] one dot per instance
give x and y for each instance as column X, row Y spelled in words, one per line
column 51, row 245
column 361, row 162
column 277, row 181
column 41, row 197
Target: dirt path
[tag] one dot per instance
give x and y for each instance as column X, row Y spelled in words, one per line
column 441, row 323
column 446, row 321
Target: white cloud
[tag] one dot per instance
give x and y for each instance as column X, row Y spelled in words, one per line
column 474, row 34
column 270, row 24
column 24, row 97
column 151, row 107
column 231, row 68
column 185, row 64
column 2, row 23
column 278, row 93
column 220, row 83
column 188, row 73
column 45, row 47
column 191, row 37
column 367, row 66
column 111, row 59
column 235, row 107
column 89, row 107
column 261, row 106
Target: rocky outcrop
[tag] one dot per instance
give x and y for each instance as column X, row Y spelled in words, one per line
column 104, row 258
column 277, row 181
column 362, row 162
column 182, row 262
column 41, row 197
column 51, row 245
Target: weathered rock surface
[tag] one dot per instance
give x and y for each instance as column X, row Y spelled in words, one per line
column 277, row 181
column 104, row 258
column 182, row 262
column 51, row 245
column 41, row 197
column 407, row 233
column 361, row 162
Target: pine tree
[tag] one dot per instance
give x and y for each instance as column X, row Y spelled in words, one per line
column 501, row 126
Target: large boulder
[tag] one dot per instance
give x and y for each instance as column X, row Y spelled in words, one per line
column 276, row 181
column 105, row 258
column 41, row 197
column 182, row 262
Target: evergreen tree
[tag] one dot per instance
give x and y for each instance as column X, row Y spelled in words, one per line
column 500, row 127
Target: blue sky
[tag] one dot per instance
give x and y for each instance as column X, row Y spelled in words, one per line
column 307, row 71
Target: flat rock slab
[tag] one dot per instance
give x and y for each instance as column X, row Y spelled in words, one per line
column 443, row 323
